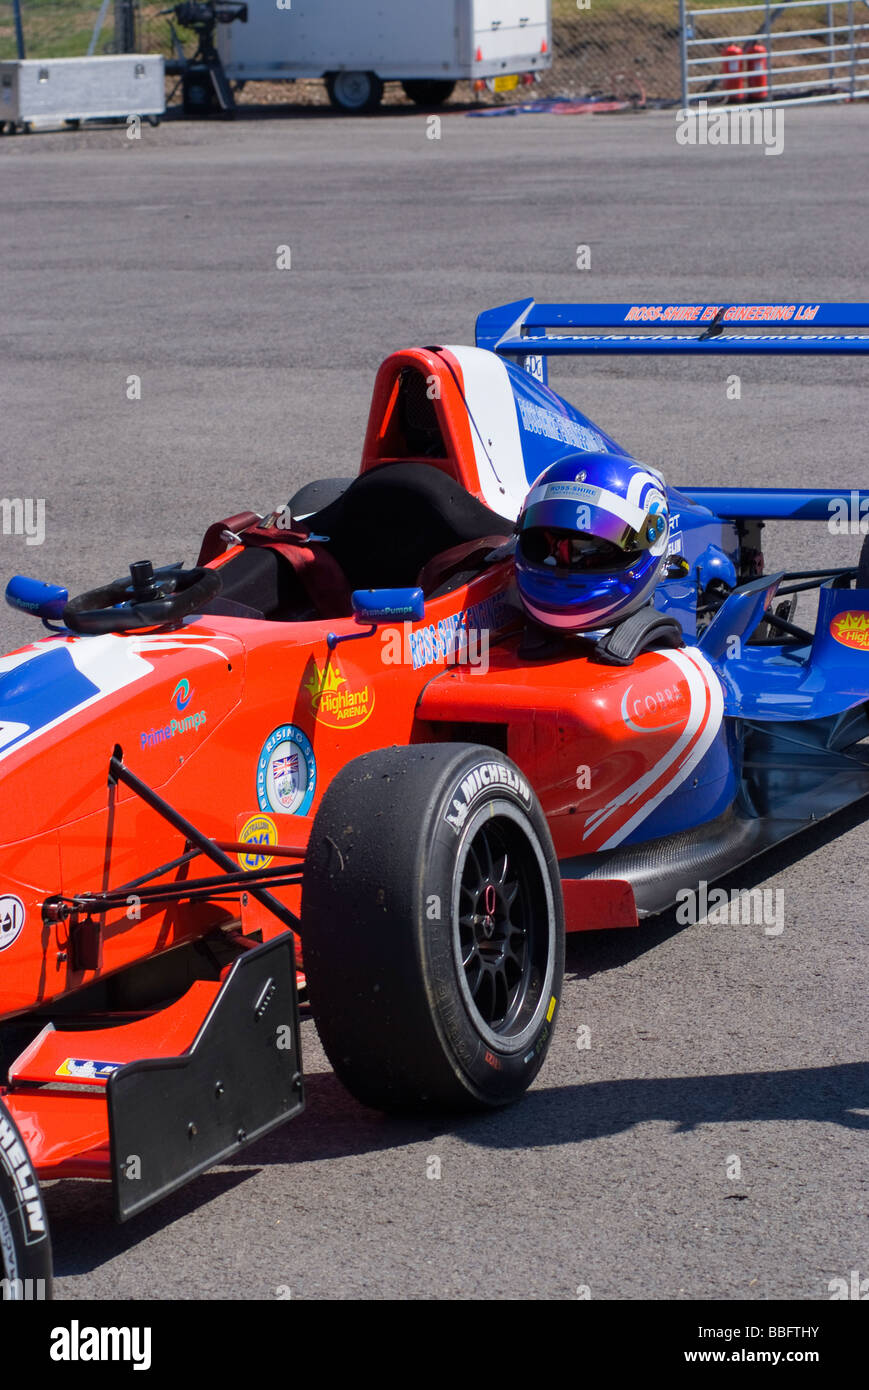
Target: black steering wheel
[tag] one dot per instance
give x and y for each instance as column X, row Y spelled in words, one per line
column 149, row 598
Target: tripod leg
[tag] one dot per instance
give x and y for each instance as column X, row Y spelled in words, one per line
column 222, row 88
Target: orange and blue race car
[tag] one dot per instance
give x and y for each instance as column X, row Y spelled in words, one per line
column 354, row 751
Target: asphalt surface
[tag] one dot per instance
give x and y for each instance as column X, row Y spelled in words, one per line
column 157, row 259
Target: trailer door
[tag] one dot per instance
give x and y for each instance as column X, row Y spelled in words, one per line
column 512, row 35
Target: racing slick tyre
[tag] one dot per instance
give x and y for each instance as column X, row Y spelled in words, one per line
column 25, row 1248
column 433, row 928
column 354, row 92
column 428, row 92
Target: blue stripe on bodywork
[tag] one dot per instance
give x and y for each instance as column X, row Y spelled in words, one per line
column 41, row 690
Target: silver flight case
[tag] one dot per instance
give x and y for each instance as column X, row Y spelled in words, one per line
column 45, row 90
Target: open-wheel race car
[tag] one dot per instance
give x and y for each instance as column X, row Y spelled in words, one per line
column 359, row 749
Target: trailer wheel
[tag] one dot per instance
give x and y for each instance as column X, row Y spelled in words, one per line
column 433, row 930
column 25, row 1248
column 428, row 92
column 354, row 92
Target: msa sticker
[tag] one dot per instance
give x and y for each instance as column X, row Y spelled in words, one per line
column 86, row 1069
column 12, row 917
column 13, row 1157
column 286, row 773
column 477, row 781
column 851, row 629
column 257, row 830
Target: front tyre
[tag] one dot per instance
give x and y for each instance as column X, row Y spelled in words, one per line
column 433, row 928
column 25, row 1249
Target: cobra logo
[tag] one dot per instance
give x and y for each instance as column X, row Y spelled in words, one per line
column 650, row 711
column 700, row 707
column 182, row 694
column 11, row 919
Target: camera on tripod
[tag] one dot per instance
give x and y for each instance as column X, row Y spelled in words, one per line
column 204, row 84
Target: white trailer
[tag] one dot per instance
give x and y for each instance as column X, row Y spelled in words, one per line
column 357, row 45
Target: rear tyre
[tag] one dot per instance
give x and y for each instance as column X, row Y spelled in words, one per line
column 25, row 1248
column 433, row 928
column 428, row 92
column 354, row 92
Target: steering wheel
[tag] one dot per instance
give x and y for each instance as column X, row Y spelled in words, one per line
column 149, row 598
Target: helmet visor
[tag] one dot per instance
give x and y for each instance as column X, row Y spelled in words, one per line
column 574, row 551
column 593, row 511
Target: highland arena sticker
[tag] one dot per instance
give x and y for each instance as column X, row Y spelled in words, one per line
column 851, row 629
column 477, row 781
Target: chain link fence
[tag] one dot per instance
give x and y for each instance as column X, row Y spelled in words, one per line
column 59, row 28
column 623, row 49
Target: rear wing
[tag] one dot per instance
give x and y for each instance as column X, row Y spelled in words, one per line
column 531, row 332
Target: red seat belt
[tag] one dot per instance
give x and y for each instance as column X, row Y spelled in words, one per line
column 317, row 570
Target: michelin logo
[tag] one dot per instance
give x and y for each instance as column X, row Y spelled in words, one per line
column 13, row 1156
column 475, row 783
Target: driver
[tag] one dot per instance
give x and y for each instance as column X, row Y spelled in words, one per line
column 592, row 544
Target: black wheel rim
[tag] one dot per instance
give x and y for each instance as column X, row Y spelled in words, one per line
column 502, row 926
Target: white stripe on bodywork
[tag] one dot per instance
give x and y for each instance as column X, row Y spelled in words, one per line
column 494, row 429
column 702, row 681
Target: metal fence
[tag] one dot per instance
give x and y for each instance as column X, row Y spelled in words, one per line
column 800, row 52
column 615, row 48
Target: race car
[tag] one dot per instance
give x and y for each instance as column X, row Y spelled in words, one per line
column 357, row 751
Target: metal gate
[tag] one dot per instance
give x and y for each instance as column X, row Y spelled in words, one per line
column 800, row 52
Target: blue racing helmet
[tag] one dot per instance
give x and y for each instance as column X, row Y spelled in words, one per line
column 593, row 535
